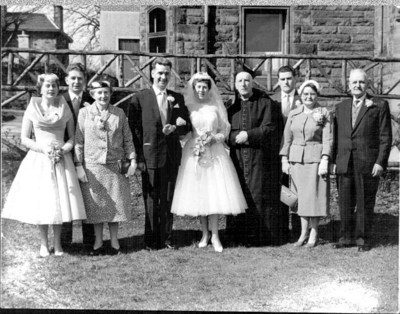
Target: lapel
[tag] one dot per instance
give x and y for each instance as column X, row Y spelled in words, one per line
column 301, row 118
column 346, row 115
column 152, row 99
column 295, row 98
column 363, row 111
column 169, row 108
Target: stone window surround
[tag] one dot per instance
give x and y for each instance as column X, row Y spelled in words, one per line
column 160, row 34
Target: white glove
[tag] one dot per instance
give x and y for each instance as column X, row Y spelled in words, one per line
column 323, row 167
column 285, row 166
column 81, row 174
column 132, row 169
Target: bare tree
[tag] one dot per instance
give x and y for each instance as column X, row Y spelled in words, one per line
column 84, row 24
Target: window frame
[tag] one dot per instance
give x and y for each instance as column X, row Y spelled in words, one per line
column 117, row 44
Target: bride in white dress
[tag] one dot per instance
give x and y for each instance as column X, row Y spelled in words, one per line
column 207, row 183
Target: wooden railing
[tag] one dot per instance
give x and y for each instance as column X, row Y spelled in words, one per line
column 200, row 61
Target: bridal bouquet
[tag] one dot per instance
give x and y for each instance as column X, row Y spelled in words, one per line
column 201, row 149
column 55, row 153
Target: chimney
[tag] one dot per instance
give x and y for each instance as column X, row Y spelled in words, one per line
column 59, row 17
column 3, row 15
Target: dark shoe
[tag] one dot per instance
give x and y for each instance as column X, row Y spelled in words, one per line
column 340, row 245
column 97, row 252
column 114, row 251
column 363, row 248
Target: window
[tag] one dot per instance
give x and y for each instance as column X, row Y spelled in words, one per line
column 130, row 45
column 157, row 30
column 265, row 30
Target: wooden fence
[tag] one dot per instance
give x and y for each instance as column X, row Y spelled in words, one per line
column 43, row 58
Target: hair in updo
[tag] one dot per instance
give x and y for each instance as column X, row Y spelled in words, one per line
column 42, row 78
column 201, row 80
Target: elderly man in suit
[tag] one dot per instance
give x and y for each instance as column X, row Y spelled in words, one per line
column 363, row 143
column 287, row 98
column 76, row 99
column 157, row 118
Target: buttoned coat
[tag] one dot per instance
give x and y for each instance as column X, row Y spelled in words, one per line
column 369, row 142
column 103, row 146
column 152, row 145
column 304, row 140
column 86, row 99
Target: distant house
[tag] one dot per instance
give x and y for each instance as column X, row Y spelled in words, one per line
column 37, row 31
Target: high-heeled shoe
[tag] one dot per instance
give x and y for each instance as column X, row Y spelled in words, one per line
column 310, row 245
column 204, row 241
column 97, row 252
column 58, row 253
column 44, row 251
column 217, row 245
column 300, row 243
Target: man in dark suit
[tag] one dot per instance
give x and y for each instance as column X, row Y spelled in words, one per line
column 363, row 142
column 157, row 118
column 287, row 99
column 76, row 99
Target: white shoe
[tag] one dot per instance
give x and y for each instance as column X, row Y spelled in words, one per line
column 58, row 253
column 44, row 251
column 204, row 241
column 217, row 245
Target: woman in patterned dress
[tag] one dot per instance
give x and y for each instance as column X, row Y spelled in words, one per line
column 102, row 139
column 46, row 190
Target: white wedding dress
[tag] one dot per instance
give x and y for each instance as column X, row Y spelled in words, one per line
column 206, row 190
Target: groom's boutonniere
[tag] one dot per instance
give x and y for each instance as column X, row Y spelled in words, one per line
column 170, row 98
column 369, row 103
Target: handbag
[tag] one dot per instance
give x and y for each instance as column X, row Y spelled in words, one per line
column 123, row 165
column 288, row 197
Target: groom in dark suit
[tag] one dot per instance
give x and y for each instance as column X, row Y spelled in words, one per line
column 157, row 118
column 76, row 99
column 363, row 142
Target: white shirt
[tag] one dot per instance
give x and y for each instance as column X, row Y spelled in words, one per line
column 162, row 102
column 284, row 101
column 360, row 100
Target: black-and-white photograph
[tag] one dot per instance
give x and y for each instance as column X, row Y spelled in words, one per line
column 211, row 157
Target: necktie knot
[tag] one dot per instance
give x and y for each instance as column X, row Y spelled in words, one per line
column 356, row 102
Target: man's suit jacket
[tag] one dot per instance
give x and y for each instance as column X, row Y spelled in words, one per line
column 86, row 98
column 152, row 145
column 369, row 142
column 277, row 98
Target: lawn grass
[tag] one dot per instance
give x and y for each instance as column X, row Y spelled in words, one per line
column 273, row 279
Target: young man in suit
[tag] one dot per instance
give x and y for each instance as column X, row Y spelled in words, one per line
column 286, row 98
column 157, row 118
column 76, row 99
column 363, row 142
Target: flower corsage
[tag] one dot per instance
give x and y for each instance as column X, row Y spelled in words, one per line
column 369, row 103
column 55, row 153
column 319, row 117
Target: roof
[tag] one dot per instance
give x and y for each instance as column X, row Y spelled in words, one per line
column 35, row 22
column 130, row 8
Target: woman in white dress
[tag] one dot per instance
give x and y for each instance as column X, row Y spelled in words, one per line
column 207, row 183
column 46, row 190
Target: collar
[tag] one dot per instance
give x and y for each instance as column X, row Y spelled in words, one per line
column 158, row 91
column 73, row 95
column 361, row 98
column 291, row 94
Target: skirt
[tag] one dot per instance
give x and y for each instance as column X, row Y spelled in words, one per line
column 43, row 193
column 106, row 195
column 213, row 188
column 312, row 190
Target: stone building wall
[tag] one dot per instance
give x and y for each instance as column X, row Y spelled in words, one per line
column 320, row 30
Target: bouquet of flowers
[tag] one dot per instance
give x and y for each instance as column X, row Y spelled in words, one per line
column 201, row 149
column 55, row 153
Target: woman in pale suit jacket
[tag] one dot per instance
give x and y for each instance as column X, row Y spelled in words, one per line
column 308, row 140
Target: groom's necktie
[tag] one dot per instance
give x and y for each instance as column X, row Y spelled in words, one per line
column 286, row 105
column 163, row 106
